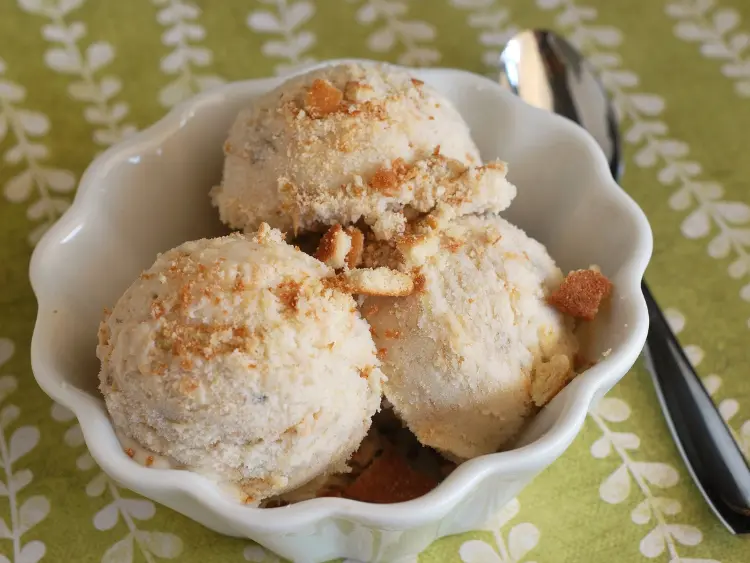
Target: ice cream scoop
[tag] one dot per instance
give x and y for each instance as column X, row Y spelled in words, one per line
column 231, row 357
column 349, row 142
column 476, row 348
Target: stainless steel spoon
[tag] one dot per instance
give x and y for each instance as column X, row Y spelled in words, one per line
column 546, row 71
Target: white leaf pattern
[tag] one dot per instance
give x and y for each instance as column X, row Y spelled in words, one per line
column 32, row 179
column 410, row 36
column 654, row 147
column 522, row 538
column 24, row 514
column 715, row 29
column 492, row 20
column 150, row 544
column 616, row 488
column 68, row 57
column 290, row 43
column 186, row 58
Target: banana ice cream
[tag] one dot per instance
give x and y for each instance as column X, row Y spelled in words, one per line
column 476, row 348
column 233, row 358
column 350, row 142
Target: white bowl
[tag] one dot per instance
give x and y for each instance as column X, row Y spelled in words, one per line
column 150, row 193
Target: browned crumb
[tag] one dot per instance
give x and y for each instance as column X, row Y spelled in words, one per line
column 417, row 82
column 239, row 283
column 581, row 294
column 385, row 180
column 329, row 246
column 322, row 99
column 354, row 256
column 146, row 276
column 149, row 461
column 382, row 353
column 365, row 372
column 331, row 345
column 373, row 332
column 436, row 151
column 389, row 180
column 130, row 453
column 288, row 293
column 451, row 244
column 372, row 281
column 389, row 479
column 157, row 309
column 420, row 282
column 371, row 310
column 392, row 333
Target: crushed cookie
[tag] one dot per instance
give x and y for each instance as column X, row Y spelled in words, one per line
column 388, row 180
column 385, row 180
column 332, row 249
column 323, row 98
column 451, row 244
column 354, row 256
column 354, row 91
column 289, row 293
column 372, row 110
column 389, row 479
column 371, row 281
column 581, row 294
column 157, row 309
column 420, row 282
column 239, row 283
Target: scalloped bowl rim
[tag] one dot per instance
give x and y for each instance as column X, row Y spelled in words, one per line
column 435, row 504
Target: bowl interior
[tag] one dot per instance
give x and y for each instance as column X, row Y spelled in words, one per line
column 152, row 194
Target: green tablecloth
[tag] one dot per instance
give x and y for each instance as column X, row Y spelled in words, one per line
column 78, row 75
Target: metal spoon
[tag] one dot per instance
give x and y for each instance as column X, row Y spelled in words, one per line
column 546, row 71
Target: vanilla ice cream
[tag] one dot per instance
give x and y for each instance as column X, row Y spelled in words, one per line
column 350, row 142
column 476, row 348
column 232, row 358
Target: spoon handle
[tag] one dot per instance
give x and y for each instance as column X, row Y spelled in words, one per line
column 705, row 441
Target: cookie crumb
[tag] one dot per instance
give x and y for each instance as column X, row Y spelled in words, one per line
column 581, row 293
column 389, row 479
column 372, row 281
column 322, row 98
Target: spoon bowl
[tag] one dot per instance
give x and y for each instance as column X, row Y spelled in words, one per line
column 547, row 72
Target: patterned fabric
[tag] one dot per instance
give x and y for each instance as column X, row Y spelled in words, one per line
column 76, row 76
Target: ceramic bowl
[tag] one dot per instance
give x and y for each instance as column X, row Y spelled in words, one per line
column 150, row 193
